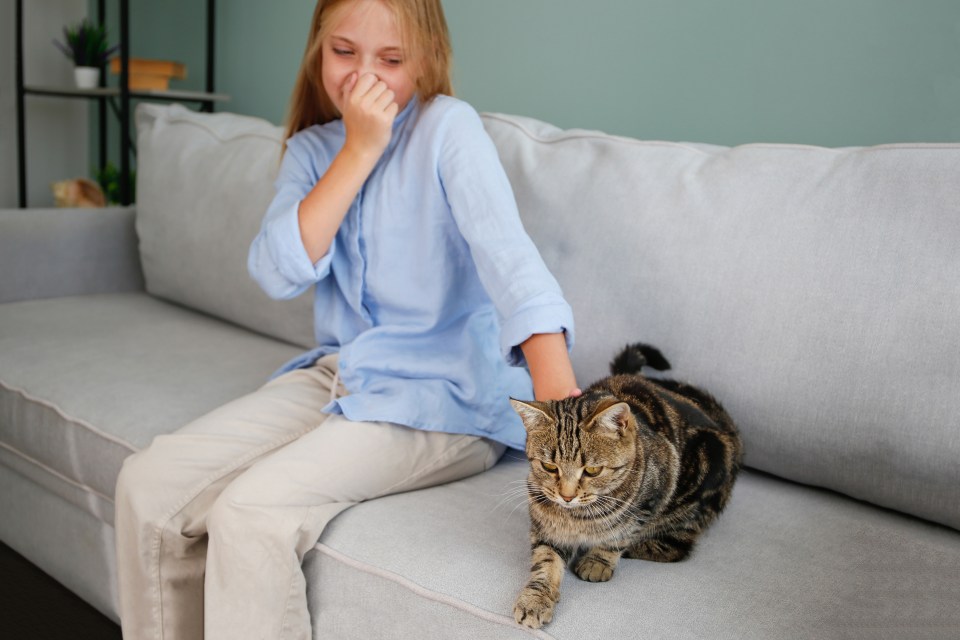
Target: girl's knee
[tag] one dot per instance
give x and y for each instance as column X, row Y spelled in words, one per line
column 139, row 496
column 262, row 516
column 146, row 490
column 230, row 514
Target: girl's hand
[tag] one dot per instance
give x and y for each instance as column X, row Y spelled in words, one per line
column 368, row 114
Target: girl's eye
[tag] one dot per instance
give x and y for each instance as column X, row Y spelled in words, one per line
column 393, row 62
column 552, row 468
column 592, row 471
column 342, row 52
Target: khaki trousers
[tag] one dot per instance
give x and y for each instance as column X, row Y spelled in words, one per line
column 213, row 521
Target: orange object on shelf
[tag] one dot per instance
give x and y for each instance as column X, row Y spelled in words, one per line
column 147, row 74
column 143, row 82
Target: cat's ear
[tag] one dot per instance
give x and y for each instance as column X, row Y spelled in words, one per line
column 531, row 412
column 615, row 420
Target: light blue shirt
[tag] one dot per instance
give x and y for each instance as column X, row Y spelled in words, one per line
column 431, row 282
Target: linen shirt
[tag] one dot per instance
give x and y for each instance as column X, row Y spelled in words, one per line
column 430, row 284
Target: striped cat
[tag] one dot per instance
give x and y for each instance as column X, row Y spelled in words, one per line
column 634, row 467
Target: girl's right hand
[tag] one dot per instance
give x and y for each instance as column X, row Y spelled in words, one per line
column 368, row 114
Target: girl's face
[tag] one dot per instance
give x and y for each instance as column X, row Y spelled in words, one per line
column 366, row 40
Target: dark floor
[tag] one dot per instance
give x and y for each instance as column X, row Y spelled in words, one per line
column 34, row 606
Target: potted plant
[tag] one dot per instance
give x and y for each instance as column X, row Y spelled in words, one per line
column 86, row 45
column 109, row 179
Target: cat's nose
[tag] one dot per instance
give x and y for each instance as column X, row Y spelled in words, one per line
column 567, row 498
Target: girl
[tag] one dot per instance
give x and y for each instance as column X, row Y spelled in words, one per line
column 390, row 201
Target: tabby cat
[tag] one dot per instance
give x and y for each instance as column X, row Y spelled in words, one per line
column 634, row 467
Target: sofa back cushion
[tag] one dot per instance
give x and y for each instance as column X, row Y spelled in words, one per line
column 203, row 184
column 815, row 291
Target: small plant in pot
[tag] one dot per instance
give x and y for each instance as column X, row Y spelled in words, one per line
column 86, row 45
column 109, row 179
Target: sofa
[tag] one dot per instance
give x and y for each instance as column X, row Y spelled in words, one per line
column 814, row 291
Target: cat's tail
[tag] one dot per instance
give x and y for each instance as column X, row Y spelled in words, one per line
column 634, row 357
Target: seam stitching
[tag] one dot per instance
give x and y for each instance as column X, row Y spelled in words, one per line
column 429, row 594
column 77, row 421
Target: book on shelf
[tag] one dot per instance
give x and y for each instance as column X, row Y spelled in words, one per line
column 147, row 74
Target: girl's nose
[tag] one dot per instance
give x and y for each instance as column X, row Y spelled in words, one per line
column 364, row 67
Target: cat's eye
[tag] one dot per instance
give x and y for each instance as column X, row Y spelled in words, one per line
column 549, row 466
column 592, row 471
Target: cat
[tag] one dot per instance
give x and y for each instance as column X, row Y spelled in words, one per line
column 635, row 467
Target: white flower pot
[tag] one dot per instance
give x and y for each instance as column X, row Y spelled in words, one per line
column 86, row 77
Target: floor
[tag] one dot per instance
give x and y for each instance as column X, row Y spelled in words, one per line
column 34, row 606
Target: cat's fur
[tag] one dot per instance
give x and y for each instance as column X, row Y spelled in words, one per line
column 634, row 467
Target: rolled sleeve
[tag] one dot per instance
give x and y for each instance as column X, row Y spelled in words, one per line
column 549, row 315
column 278, row 260
column 287, row 251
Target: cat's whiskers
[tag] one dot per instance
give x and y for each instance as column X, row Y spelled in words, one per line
column 626, row 509
column 518, row 499
column 611, row 533
column 616, row 523
column 521, row 492
column 514, row 510
column 516, row 484
column 517, row 487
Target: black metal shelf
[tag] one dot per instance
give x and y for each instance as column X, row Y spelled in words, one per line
column 118, row 98
column 114, row 92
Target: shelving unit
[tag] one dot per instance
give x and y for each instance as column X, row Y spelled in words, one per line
column 117, row 98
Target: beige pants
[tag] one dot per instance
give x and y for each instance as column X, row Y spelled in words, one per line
column 213, row 521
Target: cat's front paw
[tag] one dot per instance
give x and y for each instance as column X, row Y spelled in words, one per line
column 594, row 569
column 534, row 608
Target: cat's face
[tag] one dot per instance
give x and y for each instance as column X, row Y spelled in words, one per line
column 580, row 449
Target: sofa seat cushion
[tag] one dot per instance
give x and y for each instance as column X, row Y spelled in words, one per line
column 783, row 561
column 87, row 380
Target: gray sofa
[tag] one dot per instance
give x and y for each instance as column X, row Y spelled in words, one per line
column 815, row 291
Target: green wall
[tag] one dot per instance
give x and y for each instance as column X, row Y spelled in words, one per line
column 827, row 72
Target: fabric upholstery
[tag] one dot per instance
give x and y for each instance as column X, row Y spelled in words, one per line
column 815, row 291
column 203, row 184
column 64, row 540
column 783, row 561
column 85, row 381
column 81, row 251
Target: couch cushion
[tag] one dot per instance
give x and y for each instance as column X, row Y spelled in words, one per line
column 203, row 184
column 816, row 291
column 95, row 249
column 783, row 561
column 87, row 380
column 63, row 539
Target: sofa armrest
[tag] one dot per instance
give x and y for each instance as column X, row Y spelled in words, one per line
column 46, row 253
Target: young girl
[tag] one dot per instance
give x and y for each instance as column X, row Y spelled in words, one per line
column 391, row 201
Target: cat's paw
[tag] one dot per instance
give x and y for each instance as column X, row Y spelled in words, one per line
column 593, row 569
column 533, row 608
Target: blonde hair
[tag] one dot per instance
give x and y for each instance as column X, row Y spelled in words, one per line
column 427, row 51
